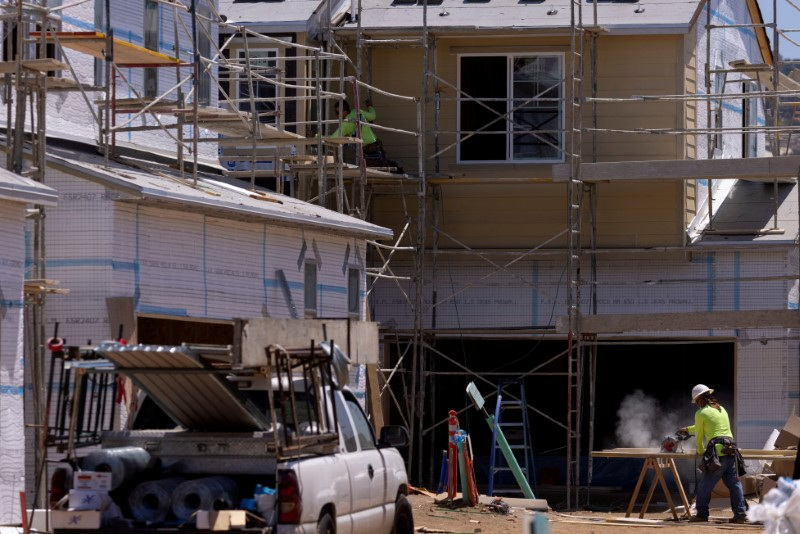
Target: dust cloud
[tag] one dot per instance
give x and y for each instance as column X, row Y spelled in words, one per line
column 643, row 423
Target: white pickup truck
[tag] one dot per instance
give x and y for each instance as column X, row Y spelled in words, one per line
column 231, row 432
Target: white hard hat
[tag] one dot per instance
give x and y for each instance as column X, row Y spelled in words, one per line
column 699, row 389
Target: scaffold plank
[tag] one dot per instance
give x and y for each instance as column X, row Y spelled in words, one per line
column 94, row 44
column 133, row 105
column 234, row 124
column 39, row 65
column 785, row 168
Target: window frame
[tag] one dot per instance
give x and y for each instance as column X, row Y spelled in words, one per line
column 749, row 120
column 363, row 429
column 204, row 46
column 100, row 25
column 256, row 53
column 509, row 144
column 150, row 74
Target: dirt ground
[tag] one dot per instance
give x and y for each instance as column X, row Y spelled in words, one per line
column 432, row 516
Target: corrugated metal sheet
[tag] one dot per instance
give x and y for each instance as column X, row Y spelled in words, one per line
column 171, row 376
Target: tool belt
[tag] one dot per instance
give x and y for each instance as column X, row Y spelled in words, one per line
column 711, row 463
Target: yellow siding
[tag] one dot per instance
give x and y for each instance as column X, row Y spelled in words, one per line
column 498, row 213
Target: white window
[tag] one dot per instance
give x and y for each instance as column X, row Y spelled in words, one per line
column 511, row 108
column 716, row 113
column 354, row 291
column 263, row 66
column 310, row 289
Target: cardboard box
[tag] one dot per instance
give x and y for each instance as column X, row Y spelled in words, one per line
column 88, row 499
column 38, row 519
column 782, row 468
column 766, row 485
column 91, row 480
column 220, row 520
column 75, row 519
column 789, row 436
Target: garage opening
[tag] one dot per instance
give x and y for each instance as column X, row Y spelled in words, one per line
column 657, row 376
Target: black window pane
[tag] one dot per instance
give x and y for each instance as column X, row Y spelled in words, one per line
column 484, row 78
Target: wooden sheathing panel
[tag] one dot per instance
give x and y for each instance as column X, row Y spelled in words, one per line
column 639, row 214
column 630, row 214
column 511, row 216
column 637, row 65
column 399, row 70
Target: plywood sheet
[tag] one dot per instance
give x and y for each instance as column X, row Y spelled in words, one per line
column 747, row 454
column 259, row 333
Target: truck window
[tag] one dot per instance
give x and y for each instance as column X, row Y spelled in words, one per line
column 363, row 428
column 348, row 435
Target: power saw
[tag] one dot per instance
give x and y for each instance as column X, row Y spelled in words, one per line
column 674, row 442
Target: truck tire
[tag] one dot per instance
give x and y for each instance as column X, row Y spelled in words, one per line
column 326, row 525
column 403, row 517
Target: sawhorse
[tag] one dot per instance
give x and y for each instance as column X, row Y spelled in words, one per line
column 658, row 465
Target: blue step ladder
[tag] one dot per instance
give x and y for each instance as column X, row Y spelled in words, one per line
column 511, row 415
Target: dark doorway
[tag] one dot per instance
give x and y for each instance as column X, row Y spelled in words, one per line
column 660, row 371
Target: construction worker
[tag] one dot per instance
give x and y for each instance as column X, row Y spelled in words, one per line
column 348, row 128
column 721, row 458
column 372, row 148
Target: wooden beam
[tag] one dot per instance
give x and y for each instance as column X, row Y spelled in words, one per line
column 374, row 398
column 782, row 167
column 656, row 322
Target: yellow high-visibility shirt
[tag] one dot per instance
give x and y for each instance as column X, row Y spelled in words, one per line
column 348, row 128
column 710, row 423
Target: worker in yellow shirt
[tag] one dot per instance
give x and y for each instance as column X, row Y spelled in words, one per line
column 348, row 128
column 372, row 148
column 721, row 458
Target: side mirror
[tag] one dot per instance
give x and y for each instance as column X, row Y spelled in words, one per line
column 393, row 436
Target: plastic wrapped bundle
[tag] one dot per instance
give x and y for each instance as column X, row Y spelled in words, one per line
column 211, row 493
column 780, row 509
column 121, row 462
column 151, row 501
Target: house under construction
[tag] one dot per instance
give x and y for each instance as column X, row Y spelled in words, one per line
column 592, row 191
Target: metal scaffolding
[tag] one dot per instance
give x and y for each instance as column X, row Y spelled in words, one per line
column 255, row 129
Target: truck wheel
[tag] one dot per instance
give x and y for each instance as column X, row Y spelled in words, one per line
column 403, row 517
column 325, row 525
